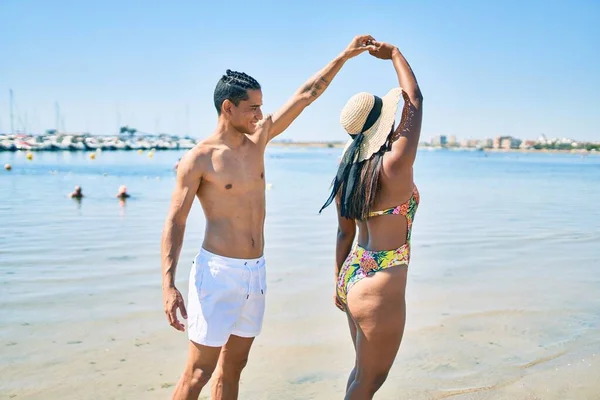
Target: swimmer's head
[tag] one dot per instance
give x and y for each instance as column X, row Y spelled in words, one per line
column 77, row 194
column 122, row 194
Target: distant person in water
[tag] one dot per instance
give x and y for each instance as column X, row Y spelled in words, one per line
column 122, row 193
column 76, row 193
column 227, row 283
column 374, row 189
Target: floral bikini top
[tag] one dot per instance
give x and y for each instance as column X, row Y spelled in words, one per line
column 408, row 209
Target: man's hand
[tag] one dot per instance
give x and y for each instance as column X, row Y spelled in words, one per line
column 173, row 300
column 359, row 45
column 382, row 50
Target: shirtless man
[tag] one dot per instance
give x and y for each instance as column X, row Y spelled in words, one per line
column 227, row 284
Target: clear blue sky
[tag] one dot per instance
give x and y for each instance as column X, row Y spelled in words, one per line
column 520, row 68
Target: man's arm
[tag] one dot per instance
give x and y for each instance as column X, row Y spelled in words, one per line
column 189, row 176
column 316, row 85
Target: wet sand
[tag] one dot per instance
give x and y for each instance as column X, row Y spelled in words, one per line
column 306, row 354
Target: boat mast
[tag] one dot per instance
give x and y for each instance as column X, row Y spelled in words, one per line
column 57, row 109
column 12, row 115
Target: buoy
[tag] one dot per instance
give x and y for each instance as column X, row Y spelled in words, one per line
column 269, row 186
column 93, row 156
column 29, row 155
column 140, row 151
column 7, row 167
column 151, row 154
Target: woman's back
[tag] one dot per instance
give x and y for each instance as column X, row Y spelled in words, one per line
column 387, row 228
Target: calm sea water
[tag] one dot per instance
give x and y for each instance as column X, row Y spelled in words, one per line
column 505, row 253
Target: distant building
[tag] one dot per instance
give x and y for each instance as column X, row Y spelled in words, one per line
column 498, row 141
column 439, row 140
column 471, row 143
column 452, row 141
column 528, row 144
column 506, row 142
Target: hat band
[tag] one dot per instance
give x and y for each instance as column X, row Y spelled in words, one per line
column 372, row 117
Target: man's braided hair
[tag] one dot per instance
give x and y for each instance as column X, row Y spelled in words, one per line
column 234, row 86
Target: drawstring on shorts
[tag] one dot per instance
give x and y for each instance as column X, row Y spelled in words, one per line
column 250, row 280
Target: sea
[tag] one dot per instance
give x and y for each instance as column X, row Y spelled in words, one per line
column 503, row 295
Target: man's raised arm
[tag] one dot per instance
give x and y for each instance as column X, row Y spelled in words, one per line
column 316, row 85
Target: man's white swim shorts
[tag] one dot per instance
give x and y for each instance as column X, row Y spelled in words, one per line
column 226, row 297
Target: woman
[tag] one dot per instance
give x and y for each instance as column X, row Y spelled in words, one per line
column 374, row 189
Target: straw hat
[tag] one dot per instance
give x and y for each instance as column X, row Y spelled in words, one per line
column 364, row 109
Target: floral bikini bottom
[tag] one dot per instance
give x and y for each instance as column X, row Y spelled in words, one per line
column 362, row 263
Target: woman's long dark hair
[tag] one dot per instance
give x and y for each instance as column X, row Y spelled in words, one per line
column 357, row 183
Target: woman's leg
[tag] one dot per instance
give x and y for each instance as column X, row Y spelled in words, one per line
column 377, row 306
column 352, row 327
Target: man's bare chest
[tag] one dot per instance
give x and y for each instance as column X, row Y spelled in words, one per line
column 238, row 173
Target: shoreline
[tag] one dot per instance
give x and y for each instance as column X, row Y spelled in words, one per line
column 133, row 140
column 330, row 145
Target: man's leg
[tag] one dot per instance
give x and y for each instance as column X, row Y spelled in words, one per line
column 233, row 359
column 200, row 365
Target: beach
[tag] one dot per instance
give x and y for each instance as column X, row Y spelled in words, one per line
column 501, row 289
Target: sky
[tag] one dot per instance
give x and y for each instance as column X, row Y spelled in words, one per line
column 520, row 68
